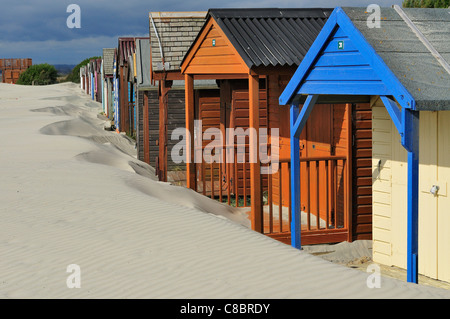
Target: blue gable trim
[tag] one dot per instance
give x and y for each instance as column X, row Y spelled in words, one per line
column 292, row 87
column 355, row 69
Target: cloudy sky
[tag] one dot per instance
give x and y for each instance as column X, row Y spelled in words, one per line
column 37, row 29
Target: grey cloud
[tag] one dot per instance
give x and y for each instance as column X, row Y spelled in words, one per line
column 29, row 26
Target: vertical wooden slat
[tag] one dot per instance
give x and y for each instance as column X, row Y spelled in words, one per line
column 255, row 171
column 327, row 195
column 203, row 177
column 236, row 180
column 335, row 190
column 125, row 117
column 163, row 90
column 317, row 195
column 228, row 174
column 189, row 100
column 220, row 176
column 280, row 204
column 349, row 169
column 270, row 201
column 290, row 199
column 146, row 129
column 123, row 92
column 212, row 178
column 308, row 210
column 244, row 176
column 332, row 193
column 344, row 176
column 224, row 99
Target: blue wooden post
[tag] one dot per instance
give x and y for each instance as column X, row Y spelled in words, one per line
column 295, row 182
column 407, row 123
column 413, row 217
column 297, row 123
column 410, row 140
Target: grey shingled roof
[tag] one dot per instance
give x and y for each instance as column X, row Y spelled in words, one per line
column 407, row 57
column 108, row 61
column 177, row 31
column 271, row 36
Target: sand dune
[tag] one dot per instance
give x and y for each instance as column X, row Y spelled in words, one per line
column 73, row 193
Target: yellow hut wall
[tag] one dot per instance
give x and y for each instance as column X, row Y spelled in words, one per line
column 389, row 181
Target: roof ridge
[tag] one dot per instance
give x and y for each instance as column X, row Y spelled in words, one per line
column 270, row 12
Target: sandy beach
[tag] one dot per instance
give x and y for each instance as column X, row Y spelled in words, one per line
column 74, row 193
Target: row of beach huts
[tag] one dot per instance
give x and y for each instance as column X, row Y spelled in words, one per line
column 357, row 115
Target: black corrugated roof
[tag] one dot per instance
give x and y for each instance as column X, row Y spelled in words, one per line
column 271, row 36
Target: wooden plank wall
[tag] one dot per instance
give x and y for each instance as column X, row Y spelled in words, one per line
column 443, row 200
column 325, row 134
column 175, row 119
column 215, row 53
column 153, row 118
column 362, row 171
column 278, row 116
column 340, row 143
column 389, row 166
column 140, row 126
column 240, row 118
column 208, row 110
column 382, row 132
column 348, row 65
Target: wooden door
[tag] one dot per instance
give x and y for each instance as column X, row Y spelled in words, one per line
column 208, row 108
column 319, row 132
column 324, row 152
column 238, row 117
column 316, row 141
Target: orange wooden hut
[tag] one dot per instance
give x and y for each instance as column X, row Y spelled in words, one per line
column 252, row 54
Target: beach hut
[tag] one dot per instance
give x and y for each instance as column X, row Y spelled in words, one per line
column 87, row 79
column 401, row 65
column 116, row 100
column 132, row 94
column 125, row 50
column 83, row 75
column 98, row 80
column 82, row 78
column 102, row 85
column 146, row 94
column 91, row 71
column 82, row 82
column 252, row 54
column 92, row 76
column 107, row 78
column 171, row 34
column 125, row 77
